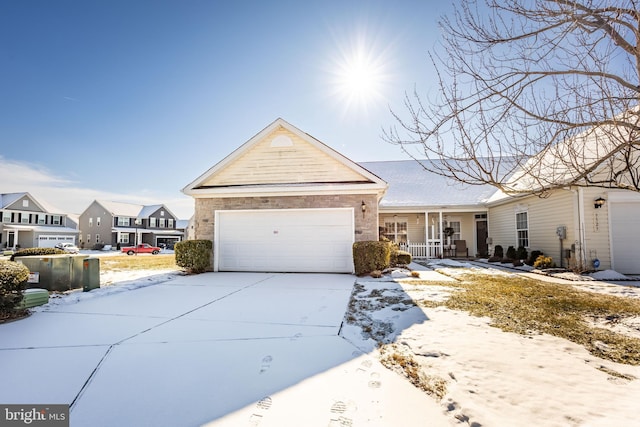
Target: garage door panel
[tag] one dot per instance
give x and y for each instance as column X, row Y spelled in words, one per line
column 286, row 240
column 625, row 235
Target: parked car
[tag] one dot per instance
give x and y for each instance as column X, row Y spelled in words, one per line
column 68, row 247
column 143, row 248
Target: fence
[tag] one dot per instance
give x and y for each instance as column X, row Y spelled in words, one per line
column 422, row 250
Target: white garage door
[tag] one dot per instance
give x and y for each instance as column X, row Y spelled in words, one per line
column 51, row 241
column 286, row 240
column 625, row 237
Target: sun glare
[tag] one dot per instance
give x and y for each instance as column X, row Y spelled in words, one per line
column 359, row 75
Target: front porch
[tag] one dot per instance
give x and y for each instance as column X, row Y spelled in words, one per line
column 444, row 233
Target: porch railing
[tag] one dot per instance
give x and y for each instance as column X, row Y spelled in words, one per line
column 427, row 250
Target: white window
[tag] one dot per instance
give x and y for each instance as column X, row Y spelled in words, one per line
column 90, row 222
column 25, row 203
column 98, row 221
column 57, row 219
column 161, row 213
column 41, row 220
column 522, row 229
column 170, row 221
column 162, row 222
column 97, row 238
column 123, row 221
column 6, row 217
column 24, row 218
column 88, row 238
column 152, row 222
column 395, row 229
column 124, row 238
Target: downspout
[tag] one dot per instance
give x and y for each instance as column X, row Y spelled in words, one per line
column 581, row 233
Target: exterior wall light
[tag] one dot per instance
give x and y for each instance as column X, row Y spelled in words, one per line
column 364, row 208
column 598, row 203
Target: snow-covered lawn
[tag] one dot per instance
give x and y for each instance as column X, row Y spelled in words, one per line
column 482, row 376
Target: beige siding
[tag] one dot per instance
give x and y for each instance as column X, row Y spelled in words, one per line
column 301, row 162
column 544, row 215
column 596, row 229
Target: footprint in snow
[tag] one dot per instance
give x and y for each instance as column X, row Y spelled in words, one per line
column 266, row 363
column 263, row 405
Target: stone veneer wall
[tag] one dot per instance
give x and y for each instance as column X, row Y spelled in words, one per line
column 366, row 226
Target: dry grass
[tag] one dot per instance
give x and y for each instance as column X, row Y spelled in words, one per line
column 528, row 306
column 396, row 360
column 139, row 262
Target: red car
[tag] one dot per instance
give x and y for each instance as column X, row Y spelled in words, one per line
column 144, row 248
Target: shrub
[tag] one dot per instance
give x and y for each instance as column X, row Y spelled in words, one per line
column 495, row 259
column 533, row 257
column 518, row 263
column 371, row 255
column 399, row 257
column 13, row 278
column 37, row 251
column 194, row 255
column 543, row 262
column 521, row 253
column 511, row 253
column 498, row 251
column 376, row 274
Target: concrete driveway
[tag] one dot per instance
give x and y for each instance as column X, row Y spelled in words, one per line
column 212, row 349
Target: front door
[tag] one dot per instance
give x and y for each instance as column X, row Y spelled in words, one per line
column 11, row 239
column 482, row 232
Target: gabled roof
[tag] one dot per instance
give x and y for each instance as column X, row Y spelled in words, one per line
column 579, row 159
column 131, row 210
column 7, row 199
column 412, row 185
column 283, row 158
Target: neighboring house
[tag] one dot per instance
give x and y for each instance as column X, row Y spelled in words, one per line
column 577, row 225
column 116, row 224
column 26, row 222
column 284, row 201
column 420, row 205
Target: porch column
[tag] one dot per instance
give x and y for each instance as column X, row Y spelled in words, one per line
column 441, row 234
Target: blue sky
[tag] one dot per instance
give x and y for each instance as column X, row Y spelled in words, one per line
column 132, row 100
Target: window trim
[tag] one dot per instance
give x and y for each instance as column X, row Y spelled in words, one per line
column 520, row 240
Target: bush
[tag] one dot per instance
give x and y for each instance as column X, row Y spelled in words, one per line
column 194, row 255
column 533, row 257
column 399, row 257
column 13, row 279
column 371, row 255
column 511, row 253
column 495, row 259
column 521, row 253
column 37, row 251
column 498, row 252
column 543, row 262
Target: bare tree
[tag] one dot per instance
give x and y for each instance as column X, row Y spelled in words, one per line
column 532, row 95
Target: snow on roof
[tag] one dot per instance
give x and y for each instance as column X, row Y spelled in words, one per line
column 412, row 185
column 148, row 210
column 121, row 208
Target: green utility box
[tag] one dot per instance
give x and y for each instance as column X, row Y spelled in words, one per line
column 54, row 272
column 90, row 274
column 33, row 298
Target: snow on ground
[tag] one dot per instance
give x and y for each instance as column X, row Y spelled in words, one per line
column 294, row 367
column 491, row 377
